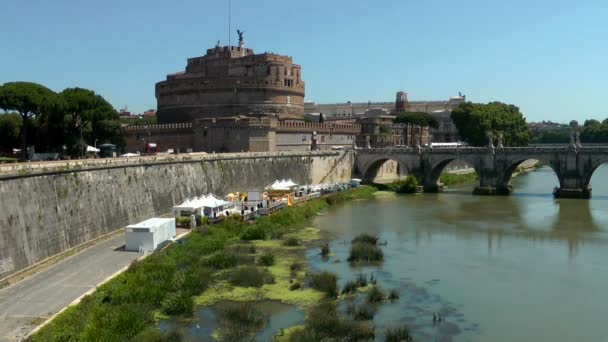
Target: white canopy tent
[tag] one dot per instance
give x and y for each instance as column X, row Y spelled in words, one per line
column 92, row 149
column 204, row 205
column 283, row 185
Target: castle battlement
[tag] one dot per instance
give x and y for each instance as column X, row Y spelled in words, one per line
column 156, row 128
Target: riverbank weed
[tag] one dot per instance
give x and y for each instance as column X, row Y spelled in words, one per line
column 239, row 321
column 250, row 276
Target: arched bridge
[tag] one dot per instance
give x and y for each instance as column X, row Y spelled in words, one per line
column 573, row 166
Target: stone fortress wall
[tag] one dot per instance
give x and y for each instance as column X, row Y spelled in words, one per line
column 58, row 206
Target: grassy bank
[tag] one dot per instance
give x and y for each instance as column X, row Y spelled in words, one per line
column 228, row 261
column 457, row 178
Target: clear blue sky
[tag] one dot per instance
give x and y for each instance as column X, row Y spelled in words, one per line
column 549, row 57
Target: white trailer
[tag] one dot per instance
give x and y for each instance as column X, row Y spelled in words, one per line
column 147, row 235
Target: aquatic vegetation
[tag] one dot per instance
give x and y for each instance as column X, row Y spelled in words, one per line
column 239, row 321
column 250, row 276
column 365, row 252
column 365, row 238
column 393, row 295
column 363, row 313
column 375, row 295
column 325, row 282
column 266, row 259
column 154, row 335
column 325, row 249
column 221, row 260
column 397, row 334
column 323, row 323
column 292, row 242
column 350, row 287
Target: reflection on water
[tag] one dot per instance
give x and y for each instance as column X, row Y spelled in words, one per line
column 521, row 267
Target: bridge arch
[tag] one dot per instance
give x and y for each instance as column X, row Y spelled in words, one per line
column 370, row 171
column 595, row 163
column 504, row 181
column 436, row 168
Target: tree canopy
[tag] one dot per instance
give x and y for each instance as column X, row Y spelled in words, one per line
column 74, row 118
column 417, row 118
column 28, row 99
column 475, row 120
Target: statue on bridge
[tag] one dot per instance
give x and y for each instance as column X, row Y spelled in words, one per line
column 499, row 140
column 490, row 137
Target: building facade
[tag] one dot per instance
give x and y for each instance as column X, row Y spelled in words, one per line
column 440, row 110
column 232, row 81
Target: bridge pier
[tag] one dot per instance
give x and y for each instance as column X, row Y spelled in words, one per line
column 572, row 193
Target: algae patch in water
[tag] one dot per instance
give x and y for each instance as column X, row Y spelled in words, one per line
column 284, row 276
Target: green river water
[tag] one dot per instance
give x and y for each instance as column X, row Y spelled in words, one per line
column 524, row 267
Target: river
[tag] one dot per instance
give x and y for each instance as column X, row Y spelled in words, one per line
column 524, row 267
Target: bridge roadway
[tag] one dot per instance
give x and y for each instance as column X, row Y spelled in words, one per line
column 574, row 166
column 28, row 303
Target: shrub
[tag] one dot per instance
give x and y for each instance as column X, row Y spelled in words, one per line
column 375, row 295
column 393, row 295
column 295, row 267
column 238, row 321
column 365, row 252
column 253, row 233
column 201, row 220
column 365, row 238
column 266, row 259
column 221, row 260
column 183, row 222
column 409, row 186
column 177, row 303
column 292, row 242
column 325, row 282
column 250, row 276
column 295, row 285
column 398, row 334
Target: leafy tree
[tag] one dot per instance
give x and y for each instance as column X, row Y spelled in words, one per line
column 417, row 118
column 474, row 121
column 29, row 100
column 88, row 117
column 10, row 130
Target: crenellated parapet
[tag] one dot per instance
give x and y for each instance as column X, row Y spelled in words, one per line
column 309, row 127
column 185, row 126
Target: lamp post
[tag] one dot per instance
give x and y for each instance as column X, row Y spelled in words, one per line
column 96, row 147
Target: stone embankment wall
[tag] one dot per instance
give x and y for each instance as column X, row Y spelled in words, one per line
column 47, row 212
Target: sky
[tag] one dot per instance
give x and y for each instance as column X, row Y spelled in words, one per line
column 548, row 57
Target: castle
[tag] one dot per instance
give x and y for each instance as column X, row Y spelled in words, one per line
column 230, row 81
